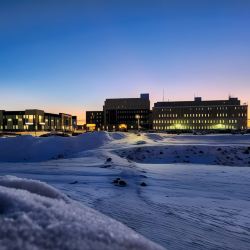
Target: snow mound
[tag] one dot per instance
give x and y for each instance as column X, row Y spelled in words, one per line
column 33, row 149
column 195, row 154
column 35, row 187
column 117, row 136
column 154, row 137
column 42, row 220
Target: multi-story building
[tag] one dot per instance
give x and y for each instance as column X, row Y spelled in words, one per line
column 127, row 113
column 200, row 115
column 74, row 122
column 34, row 120
column 94, row 120
column 66, row 122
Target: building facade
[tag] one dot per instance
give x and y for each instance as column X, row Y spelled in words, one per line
column 74, row 122
column 94, row 120
column 127, row 113
column 200, row 115
column 34, row 120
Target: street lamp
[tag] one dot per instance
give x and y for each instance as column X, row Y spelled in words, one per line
column 138, row 121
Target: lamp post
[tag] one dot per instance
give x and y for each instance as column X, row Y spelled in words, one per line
column 138, row 121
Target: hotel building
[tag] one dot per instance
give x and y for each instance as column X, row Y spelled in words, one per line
column 200, row 115
column 34, row 120
column 127, row 113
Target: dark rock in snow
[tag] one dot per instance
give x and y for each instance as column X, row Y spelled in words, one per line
column 140, row 142
column 73, row 182
column 109, row 159
column 106, row 166
column 143, row 184
column 130, row 157
column 115, row 181
column 122, row 183
column 246, row 151
column 119, row 182
column 60, row 156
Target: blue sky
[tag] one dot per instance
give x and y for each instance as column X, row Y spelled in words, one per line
column 68, row 56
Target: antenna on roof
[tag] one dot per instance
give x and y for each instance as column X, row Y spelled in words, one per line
column 163, row 97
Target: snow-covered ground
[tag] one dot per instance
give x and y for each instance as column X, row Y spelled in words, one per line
column 37, row 216
column 197, row 202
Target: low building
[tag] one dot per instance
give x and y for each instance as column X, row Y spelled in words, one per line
column 34, row 120
column 127, row 113
column 94, row 120
column 200, row 115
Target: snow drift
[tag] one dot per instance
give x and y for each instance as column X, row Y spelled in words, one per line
column 34, row 215
column 154, row 137
column 117, row 136
column 29, row 148
column 199, row 154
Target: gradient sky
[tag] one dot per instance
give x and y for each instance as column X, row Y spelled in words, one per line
column 68, row 56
